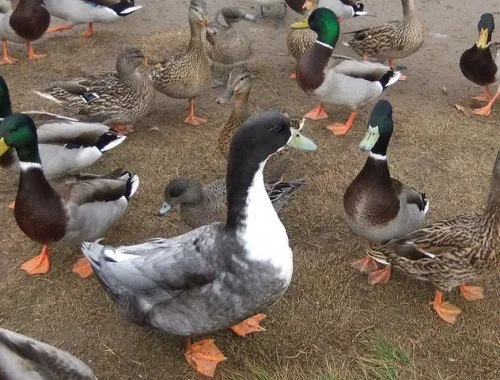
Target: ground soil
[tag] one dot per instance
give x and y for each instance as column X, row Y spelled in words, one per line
column 329, row 307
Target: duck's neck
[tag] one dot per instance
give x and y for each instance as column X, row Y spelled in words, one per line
column 240, row 108
column 408, row 8
column 491, row 215
column 195, row 42
column 379, row 150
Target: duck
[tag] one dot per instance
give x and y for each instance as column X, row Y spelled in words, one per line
column 88, row 12
column 344, row 9
column 22, row 22
column 451, row 253
column 200, row 205
column 481, row 63
column 377, row 207
column 228, row 47
column 238, row 86
column 82, row 207
column 118, row 99
column 184, row 76
column 338, row 79
column 218, row 275
column 66, row 145
column 22, row 357
column 394, row 39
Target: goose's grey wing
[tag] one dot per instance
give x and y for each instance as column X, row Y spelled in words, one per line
column 25, row 358
column 141, row 276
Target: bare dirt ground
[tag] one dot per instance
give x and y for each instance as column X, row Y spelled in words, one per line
column 330, row 320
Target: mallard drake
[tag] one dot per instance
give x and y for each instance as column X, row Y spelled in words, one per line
column 200, row 205
column 65, row 145
column 88, row 11
column 338, row 79
column 394, row 39
column 22, row 21
column 452, row 252
column 117, row 99
column 481, row 63
column 184, row 76
column 81, row 208
column 377, row 207
column 238, row 86
column 26, row 358
column 215, row 276
column 228, row 46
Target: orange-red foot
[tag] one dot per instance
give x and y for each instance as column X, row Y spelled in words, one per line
column 293, row 75
column 203, row 356
column 366, row 265
column 11, row 205
column 249, row 325
column 341, row 129
column 365, row 58
column 124, row 129
column 317, row 113
column 446, row 311
column 39, row 264
column 486, row 110
column 191, row 119
column 484, row 97
column 380, row 276
column 82, row 268
column 59, row 28
column 32, row 56
column 90, row 31
column 471, row 293
column 6, row 59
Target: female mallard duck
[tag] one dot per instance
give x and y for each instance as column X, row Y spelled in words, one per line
column 239, row 85
column 218, row 275
column 394, row 39
column 341, row 80
column 82, row 208
column 377, row 207
column 22, row 21
column 65, row 145
column 88, row 11
column 452, row 252
column 481, row 63
column 184, row 76
column 200, row 205
column 26, row 358
column 117, row 99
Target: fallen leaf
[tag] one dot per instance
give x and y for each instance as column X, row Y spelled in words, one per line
column 466, row 110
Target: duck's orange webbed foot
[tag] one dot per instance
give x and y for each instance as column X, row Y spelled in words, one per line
column 82, row 268
column 366, row 265
column 11, row 205
column 380, row 277
column 293, row 75
column 203, row 356
column 7, row 59
column 124, row 129
column 485, row 96
column 59, row 28
column 249, row 326
column 446, row 311
column 192, row 119
column 39, row 264
column 341, row 129
column 317, row 113
column 90, row 31
column 32, row 56
column 472, row 293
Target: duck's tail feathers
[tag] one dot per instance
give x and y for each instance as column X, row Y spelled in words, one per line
column 48, row 96
column 378, row 256
column 109, row 140
column 389, row 78
column 126, row 7
column 427, row 203
column 132, row 186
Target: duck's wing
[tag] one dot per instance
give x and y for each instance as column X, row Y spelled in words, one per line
column 370, row 71
column 377, row 32
column 25, row 358
column 495, row 52
column 409, row 195
column 142, row 276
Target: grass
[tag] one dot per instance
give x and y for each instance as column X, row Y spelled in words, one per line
column 381, row 360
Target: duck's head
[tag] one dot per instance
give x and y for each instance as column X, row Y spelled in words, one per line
column 325, row 23
column 379, row 129
column 238, row 84
column 5, row 105
column 485, row 27
column 18, row 131
column 180, row 191
column 198, row 13
column 130, row 60
column 301, row 6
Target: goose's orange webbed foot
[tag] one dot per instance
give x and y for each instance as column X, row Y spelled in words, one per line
column 249, row 326
column 203, row 356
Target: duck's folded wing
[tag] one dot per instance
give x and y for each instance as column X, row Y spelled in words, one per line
column 409, row 195
column 370, row 71
column 376, row 31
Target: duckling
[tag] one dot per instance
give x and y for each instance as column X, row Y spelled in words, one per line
column 117, row 99
column 22, row 21
column 394, row 39
column 452, row 252
column 184, row 76
column 239, row 85
column 218, row 275
column 26, row 358
column 81, row 208
column 480, row 64
column 377, row 207
column 341, row 80
column 88, row 11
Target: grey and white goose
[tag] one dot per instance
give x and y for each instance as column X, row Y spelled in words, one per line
column 26, row 358
column 215, row 276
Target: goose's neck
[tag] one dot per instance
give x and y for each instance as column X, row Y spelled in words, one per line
column 195, row 41
column 408, row 8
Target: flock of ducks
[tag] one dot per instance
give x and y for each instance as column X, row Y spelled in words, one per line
column 237, row 260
